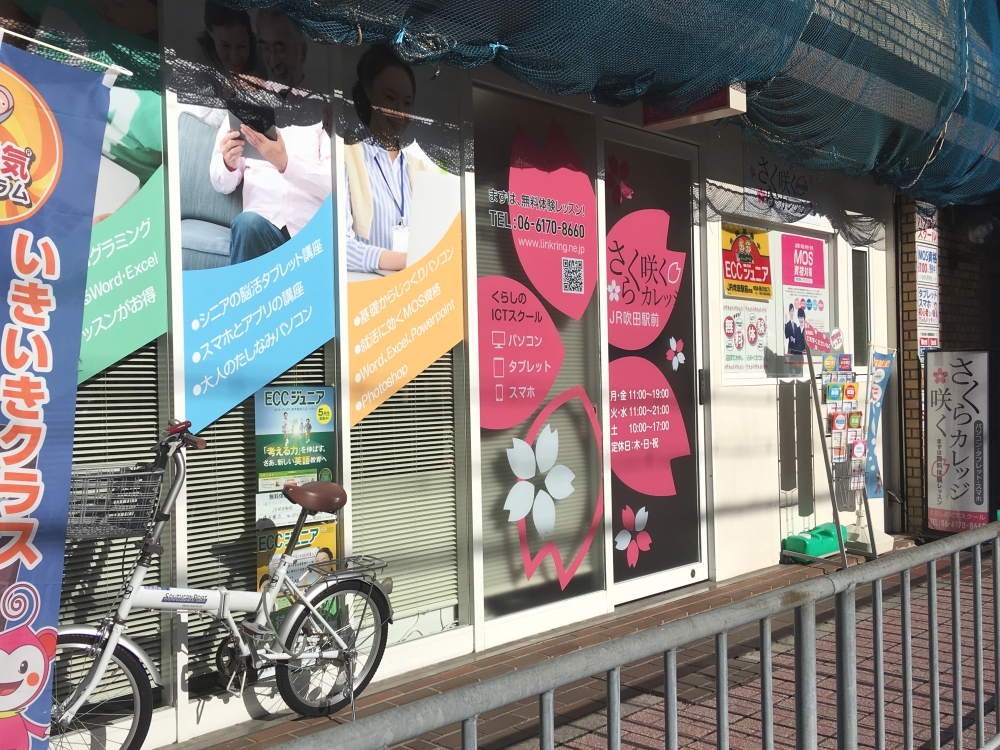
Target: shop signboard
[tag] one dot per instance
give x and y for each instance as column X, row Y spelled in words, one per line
column 774, row 184
column 653, row 361
column 537, row 247
column 256, row 243
column 927, row 263
column 927, row 339
column 956, row 433
column 746, row 263
column 296, row 443
column 402, row 219
column 52, row 122
column 927, row 223
column 928, row 305
column 805, row 303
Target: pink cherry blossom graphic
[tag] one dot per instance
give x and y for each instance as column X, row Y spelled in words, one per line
column 645, row 277
column 940, row 376
column 675, row 354
column 647, row 427
column 549, row 549
column 554, row 220
column 520, row 352
column 616, row 176
column 624, row 540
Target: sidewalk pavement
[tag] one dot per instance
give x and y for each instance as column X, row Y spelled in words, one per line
column 580, row 707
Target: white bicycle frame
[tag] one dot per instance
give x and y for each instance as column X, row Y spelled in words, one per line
column 219, row 602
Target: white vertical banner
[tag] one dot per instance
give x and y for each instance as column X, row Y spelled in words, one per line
column 957, row 440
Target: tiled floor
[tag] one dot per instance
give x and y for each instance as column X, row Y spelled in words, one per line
column 580, row 707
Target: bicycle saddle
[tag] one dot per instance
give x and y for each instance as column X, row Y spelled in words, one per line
column 320, row 497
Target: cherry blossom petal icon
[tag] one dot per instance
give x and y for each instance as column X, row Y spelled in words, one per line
column 613, row 291
column 940, row 376
column 633, row 522
column 558, row 481
column 675, row 354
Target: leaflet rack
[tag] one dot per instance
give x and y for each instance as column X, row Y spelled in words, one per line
column 841, row 431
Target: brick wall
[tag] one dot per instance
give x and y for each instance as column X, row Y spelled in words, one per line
column 911, row 377
column 959, row 273
column 961, row 282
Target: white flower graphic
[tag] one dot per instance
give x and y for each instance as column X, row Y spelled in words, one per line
column 558, row 481
column 676, row 353
column 613, row 291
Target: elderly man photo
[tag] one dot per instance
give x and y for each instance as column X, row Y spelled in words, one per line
column 282, row 190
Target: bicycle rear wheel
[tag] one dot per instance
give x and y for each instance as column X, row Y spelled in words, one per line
column 359, row 613
column 116, row 716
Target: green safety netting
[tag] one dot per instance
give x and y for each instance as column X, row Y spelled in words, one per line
column 904, row 90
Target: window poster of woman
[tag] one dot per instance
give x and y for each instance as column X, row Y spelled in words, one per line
column 402, row 221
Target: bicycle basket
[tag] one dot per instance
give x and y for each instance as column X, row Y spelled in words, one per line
column 109, row 501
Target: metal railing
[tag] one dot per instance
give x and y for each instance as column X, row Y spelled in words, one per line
column 463, row 705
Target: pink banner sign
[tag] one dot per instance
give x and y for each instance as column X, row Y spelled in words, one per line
column 553, row 220
column 520, row 352
column 647, row 428
column 802, row 262
column 643, row 278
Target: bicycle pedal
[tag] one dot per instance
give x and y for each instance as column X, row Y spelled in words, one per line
column 251, row 628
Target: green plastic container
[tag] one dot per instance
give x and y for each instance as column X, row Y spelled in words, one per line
column 817, row 542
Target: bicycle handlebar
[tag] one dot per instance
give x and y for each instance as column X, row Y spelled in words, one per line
column 194, row 441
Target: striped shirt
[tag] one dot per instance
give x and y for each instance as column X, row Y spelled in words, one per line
column 363, row 254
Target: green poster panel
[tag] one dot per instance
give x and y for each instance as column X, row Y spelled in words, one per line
column 125, row 306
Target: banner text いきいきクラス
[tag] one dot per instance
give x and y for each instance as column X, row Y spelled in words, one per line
column 52, row 120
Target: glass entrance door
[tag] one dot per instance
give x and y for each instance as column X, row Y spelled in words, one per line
column 658, row 519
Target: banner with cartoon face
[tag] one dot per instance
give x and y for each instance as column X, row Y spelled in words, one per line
column 52, row 122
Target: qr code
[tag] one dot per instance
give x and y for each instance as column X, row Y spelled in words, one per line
column 572, row 275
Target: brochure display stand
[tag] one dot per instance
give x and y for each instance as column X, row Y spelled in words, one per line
column 841, row 421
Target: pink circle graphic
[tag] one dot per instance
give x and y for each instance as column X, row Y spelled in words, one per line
column 643, row 279
column 647, row 427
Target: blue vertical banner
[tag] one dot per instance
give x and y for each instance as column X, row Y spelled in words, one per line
column 52, row 120
column 879, row 372
column 248, row 323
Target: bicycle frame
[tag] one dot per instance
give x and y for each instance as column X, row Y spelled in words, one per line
column 218, row 602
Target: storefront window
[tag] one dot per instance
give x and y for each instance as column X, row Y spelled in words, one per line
column 537, row 245
column 862, row 328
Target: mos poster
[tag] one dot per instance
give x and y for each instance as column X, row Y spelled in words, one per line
column 52, row 121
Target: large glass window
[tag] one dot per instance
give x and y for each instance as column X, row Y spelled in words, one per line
column 862, row 327
column 537, row 246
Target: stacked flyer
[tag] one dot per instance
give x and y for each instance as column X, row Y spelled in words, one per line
column 845, row 419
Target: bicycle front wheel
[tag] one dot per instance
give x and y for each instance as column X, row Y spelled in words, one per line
column 313, row 685
column 116, row 716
